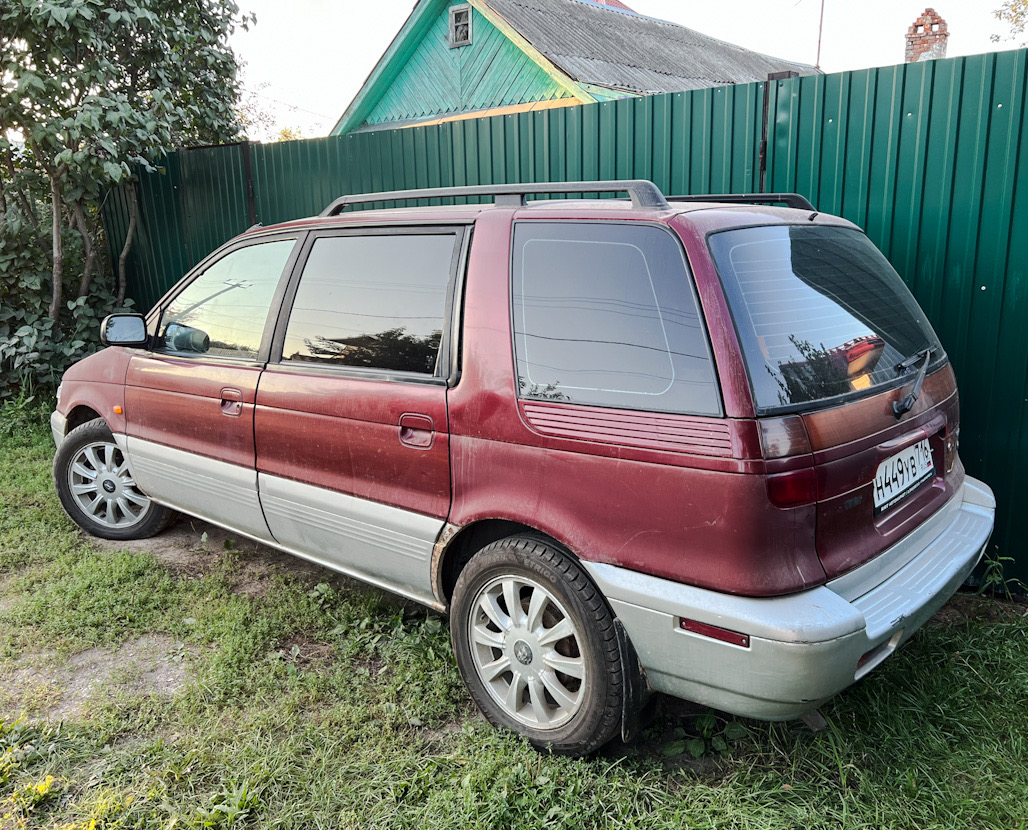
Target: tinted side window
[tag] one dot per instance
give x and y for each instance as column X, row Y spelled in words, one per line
column 223, row 311
column 372, row 301
column 605, row 314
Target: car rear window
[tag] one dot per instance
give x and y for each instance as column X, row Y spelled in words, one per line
column 820, row 313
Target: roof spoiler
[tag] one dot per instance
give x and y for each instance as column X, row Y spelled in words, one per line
column 793, row 200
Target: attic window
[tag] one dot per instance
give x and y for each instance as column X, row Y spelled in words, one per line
column 460, row 25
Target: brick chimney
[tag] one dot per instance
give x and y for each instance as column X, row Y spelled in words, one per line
column 926, row 38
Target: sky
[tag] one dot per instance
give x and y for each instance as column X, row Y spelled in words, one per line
column 307, row 59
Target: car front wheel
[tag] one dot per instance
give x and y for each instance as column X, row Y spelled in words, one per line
column 536, row 645
column 96, row 488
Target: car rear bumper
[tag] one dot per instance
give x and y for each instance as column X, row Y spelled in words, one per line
column 806, row 647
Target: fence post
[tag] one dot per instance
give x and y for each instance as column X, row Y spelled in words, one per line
column 251, row 202
column 774, row 76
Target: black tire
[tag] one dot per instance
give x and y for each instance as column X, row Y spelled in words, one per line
column 97, row 490
column 511, row 663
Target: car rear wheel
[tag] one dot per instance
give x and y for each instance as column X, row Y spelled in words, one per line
column 536, row 645
column 97, row 490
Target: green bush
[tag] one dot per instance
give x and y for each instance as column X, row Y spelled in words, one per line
column 34, row 350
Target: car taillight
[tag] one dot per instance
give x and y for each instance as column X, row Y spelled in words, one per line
column 792, row 489
column 783, row 437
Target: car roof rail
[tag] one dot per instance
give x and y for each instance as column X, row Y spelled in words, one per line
column 793, row 200
column 644, row 194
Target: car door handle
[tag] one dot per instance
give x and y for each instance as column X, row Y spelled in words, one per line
column 417, row 431
column 231, row 402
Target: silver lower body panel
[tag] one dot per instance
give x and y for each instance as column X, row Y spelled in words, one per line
column 382, row 545
column 225, row 494
column 375, row 542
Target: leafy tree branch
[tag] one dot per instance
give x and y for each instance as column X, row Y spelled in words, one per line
column 90, row 92
column 1014, row 13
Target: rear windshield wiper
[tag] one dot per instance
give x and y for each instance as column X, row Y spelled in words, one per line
column 900, row 408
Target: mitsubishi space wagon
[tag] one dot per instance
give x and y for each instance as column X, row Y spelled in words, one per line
column 700, row 446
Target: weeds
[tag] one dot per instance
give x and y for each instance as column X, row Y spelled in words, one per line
column 711, row 737
column 322, row 703
column 231, row 806
column 20, row 413
column 994, row 580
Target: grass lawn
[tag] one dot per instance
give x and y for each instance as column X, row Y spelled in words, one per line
column 200, row 681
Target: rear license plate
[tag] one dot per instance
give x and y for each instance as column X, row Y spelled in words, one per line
column 901, row 474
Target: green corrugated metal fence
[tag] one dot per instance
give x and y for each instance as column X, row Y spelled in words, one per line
column 926, row 157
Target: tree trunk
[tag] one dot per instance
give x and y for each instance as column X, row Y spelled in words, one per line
column 55, row 200
column 3, row 195
column 130, row 192
column 23, row 202
column 78, row 218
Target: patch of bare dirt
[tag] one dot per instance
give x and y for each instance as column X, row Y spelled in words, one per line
column 6, row 603
column 300, row 650
column 27, row 688
column 372, row 665
column 181, row 547
column 444, row 731
column 442, row 734
column 964, row 607
column 192, row 548
column 42, row 687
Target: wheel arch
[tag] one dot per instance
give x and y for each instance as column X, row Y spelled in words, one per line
column 458, row 544
column 81, row 414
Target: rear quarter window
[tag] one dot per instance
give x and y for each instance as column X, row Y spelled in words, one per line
column 605, row 314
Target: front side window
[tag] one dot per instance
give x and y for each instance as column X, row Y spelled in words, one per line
column 375, row 302
column 223, row 311
column 821, row 314
column 605, row 314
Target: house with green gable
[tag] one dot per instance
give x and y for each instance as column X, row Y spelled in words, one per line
column 455, row 59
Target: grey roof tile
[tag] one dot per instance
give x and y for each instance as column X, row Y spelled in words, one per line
column 610, row 47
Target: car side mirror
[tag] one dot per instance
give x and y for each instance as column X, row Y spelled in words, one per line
column 123, row 330
column 186, row 338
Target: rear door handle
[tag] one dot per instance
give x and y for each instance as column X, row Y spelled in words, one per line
column 231, row 402
column 417, row 431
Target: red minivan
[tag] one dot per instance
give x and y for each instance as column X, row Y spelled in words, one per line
column 705, row 448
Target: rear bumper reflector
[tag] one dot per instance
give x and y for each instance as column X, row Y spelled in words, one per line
column 716, row 633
